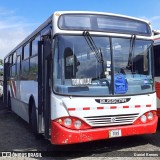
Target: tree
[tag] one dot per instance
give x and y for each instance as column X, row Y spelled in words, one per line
column 1, row 67
column 1, row 62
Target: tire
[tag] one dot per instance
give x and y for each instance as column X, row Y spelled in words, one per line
column 33, row 122
column 33, row 119
column 9, row 102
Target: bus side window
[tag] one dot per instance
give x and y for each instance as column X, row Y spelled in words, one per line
column 25, row 69
column 14, row 64
column 10, row 66
column 25, row 62
column 34, row 68
column 14, row 57
column 34, row 45
column 11, row 59
column 26, row 51
column 14, row 70
column 18, row 65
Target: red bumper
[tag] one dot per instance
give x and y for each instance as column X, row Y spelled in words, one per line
column 61, row 135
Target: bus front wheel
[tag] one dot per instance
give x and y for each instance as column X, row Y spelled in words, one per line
column 33, row 120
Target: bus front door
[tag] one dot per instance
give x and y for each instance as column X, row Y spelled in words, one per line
column 44, row 87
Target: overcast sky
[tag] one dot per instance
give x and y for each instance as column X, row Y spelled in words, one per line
column 18, row 18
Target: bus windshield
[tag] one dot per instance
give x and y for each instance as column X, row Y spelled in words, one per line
column 88, row 65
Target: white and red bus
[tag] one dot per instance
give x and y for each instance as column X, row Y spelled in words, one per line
column 84, row 76
column 157, row 70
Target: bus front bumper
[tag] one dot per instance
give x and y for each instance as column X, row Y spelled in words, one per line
column 61, row 135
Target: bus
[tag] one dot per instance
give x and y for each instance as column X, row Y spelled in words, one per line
column 84, row 76
column 157, row 71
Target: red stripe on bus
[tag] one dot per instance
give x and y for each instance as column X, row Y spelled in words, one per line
column 86, row 108
column 137, row 106
column 71, row 109
column 100, row 107
column 113, row 107
column 125, row 106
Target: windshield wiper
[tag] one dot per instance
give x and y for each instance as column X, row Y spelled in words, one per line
column 93, row 47
column 131, row 51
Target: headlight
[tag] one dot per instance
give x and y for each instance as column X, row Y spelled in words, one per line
column 77, row 124
column 143, row 119
column 72, row 123
column 67, row 122
column 150, row 115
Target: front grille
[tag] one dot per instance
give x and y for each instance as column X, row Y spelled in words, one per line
column 111, row 120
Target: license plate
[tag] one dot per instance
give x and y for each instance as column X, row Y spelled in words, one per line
column 115, row 133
